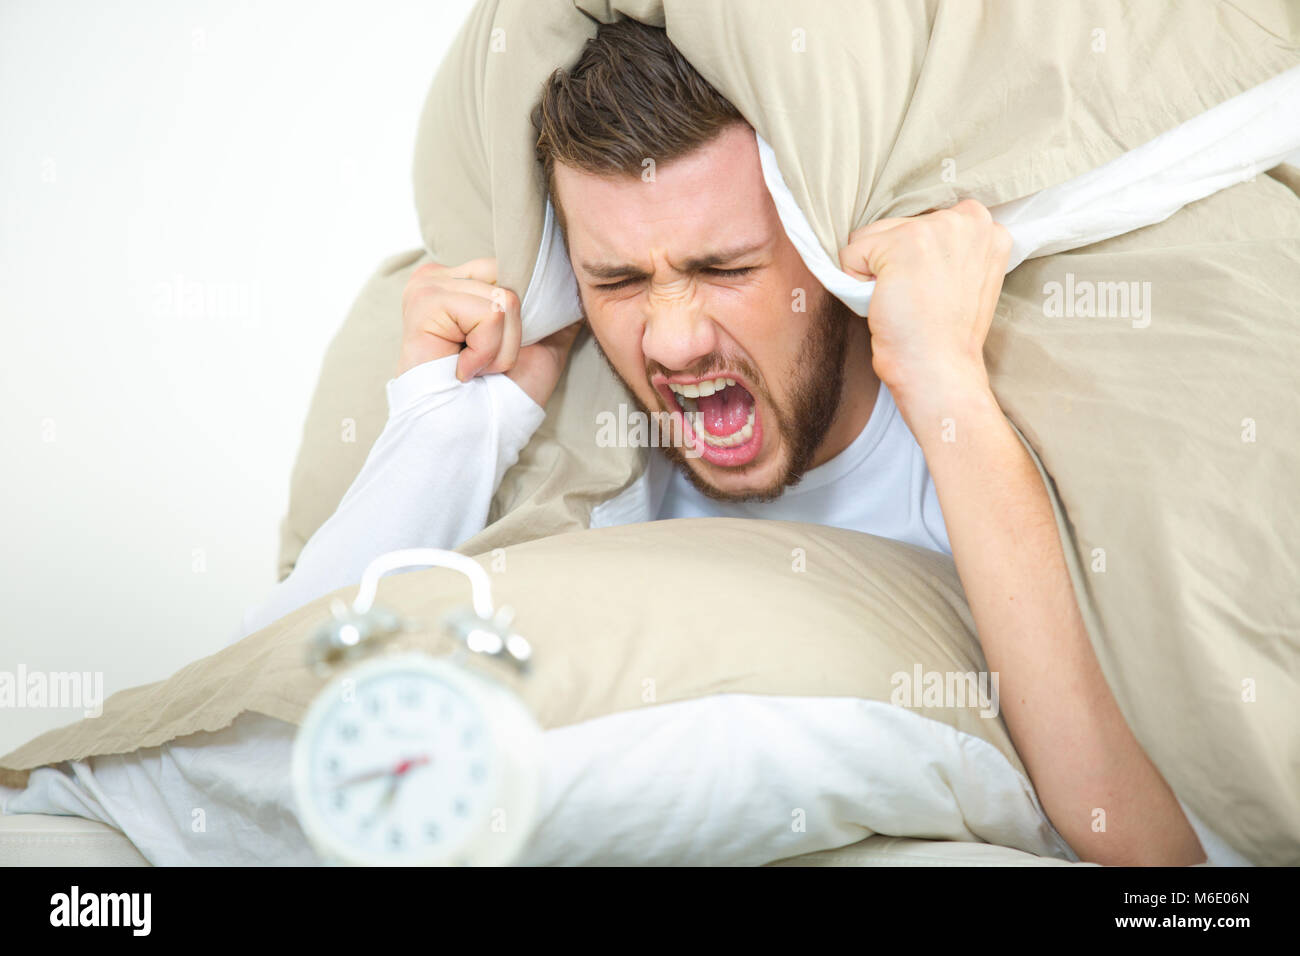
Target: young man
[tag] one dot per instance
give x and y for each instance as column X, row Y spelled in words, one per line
column 687, row 283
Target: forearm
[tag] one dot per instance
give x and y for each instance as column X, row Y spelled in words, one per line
column 1065, row 723
column 427, row 482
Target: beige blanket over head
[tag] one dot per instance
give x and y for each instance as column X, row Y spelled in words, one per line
column 1170, row 451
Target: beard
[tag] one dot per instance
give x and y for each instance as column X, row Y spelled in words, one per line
column 802, row 422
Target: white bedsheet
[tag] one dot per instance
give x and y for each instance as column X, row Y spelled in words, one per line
column 729, row 779
column 718, row 780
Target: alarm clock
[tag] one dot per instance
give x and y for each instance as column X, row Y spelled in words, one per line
column 406, row 759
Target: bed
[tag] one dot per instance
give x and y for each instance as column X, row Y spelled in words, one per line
column 41, row 840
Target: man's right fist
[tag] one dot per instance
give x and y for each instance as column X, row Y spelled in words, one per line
column 446, row 310
column 445, row 307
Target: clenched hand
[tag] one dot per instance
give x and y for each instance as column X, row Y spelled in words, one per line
column 459, row 309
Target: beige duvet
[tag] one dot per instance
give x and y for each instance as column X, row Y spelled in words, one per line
column 1171, row 450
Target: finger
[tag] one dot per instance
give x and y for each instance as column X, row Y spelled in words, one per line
column 855, row 257
column 507, row 304
column 974, row 209
column 448, row 285
column 863, row 259
column 449, row 315
column 483, row 270
column 435, row 273
column 880, row 225
column 426, row 270
column 483, row 328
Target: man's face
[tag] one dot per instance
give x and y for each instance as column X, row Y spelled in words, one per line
column 688, row 282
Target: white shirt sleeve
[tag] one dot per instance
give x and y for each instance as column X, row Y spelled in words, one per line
column 428, row 481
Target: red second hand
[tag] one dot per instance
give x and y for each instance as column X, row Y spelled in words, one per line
column 407, row 764
column 397, row 771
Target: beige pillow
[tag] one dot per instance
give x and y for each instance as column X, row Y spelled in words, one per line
column 871, row 111
column 639, row 680
column 820, row 612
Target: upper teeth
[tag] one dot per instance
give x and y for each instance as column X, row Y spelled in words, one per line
column 696, row 389
column 688, row 395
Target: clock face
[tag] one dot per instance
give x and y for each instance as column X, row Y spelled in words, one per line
column 396, row 764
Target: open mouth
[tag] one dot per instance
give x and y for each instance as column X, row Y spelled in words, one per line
column 721, row 419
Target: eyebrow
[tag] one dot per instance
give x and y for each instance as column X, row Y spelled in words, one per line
column 603, row 270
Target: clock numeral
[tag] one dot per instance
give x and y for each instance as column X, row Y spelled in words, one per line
column 431, row 832
column 461, row 807
column 395, row 839
column 339, row 799
column 334, row 765
column 477, row 772
column 348, row 732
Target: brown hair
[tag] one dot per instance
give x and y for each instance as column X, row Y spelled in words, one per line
column 631, row 96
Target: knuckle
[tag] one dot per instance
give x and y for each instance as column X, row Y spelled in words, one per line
column 939, row 224
column 923, row 230
column 416, row 299
column 977, row 211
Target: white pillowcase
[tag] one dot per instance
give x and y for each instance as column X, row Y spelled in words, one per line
column 1231, row 143
column 728, row 779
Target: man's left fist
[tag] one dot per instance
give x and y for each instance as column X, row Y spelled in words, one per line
column 938, row 277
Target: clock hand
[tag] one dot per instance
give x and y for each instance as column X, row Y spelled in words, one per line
column 395, row 772
column 394, row 778
column 384, row 801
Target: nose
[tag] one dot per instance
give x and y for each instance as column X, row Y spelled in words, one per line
column 677, row 332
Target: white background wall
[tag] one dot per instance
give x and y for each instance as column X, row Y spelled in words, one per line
column 191, row 194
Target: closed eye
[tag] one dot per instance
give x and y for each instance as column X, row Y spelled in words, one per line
column 721, row 273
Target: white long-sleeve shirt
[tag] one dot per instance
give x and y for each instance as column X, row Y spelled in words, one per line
column 427, row 482
column 431, row 475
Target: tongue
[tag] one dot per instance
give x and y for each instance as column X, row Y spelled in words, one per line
column 725, row 411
